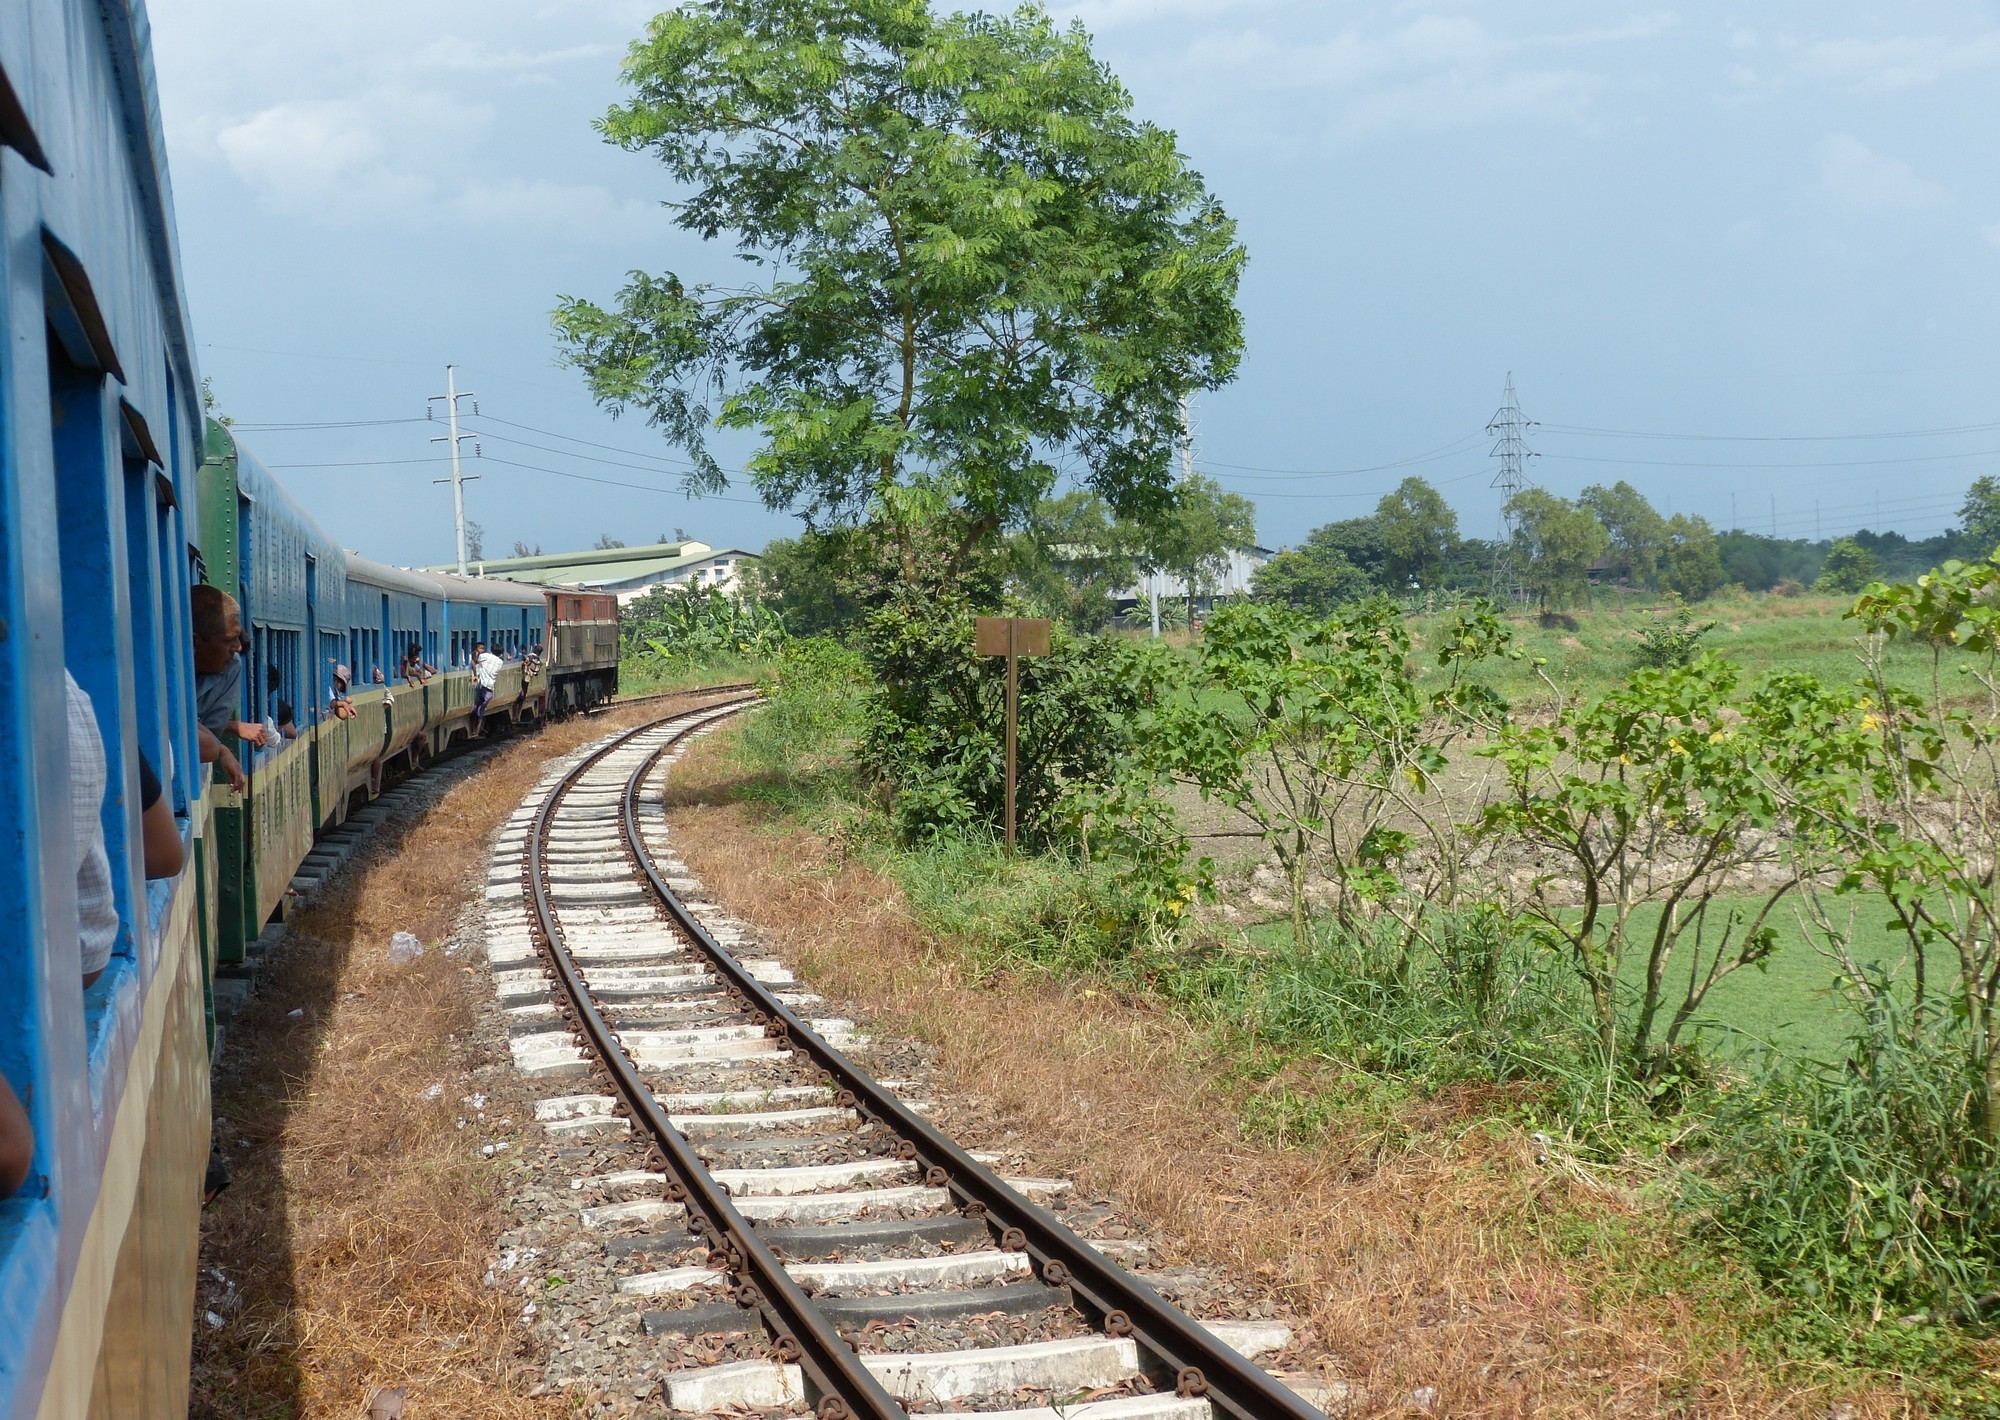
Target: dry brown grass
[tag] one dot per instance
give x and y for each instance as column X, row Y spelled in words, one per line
column 361, row 1219
column 1432, row 1263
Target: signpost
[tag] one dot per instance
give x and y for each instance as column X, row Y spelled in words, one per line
column 1012, row 637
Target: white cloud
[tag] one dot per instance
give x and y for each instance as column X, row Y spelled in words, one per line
column 1852, row 172
column 346, row 157
column 1901, row 61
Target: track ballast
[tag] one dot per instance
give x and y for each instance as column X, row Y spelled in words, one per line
column 802, row 1205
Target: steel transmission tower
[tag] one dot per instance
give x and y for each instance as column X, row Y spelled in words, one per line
column 1510, row 446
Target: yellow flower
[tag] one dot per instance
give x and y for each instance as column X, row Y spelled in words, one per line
column 1718, row 737
column 1870, row 722
column 1676, row 746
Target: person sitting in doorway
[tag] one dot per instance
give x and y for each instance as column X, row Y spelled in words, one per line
column 96, row 907
column 338, row 705
column 415, row 669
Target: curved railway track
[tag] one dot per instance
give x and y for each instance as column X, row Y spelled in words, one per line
column 712, row 1055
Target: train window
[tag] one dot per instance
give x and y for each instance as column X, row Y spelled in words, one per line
column 93, row 559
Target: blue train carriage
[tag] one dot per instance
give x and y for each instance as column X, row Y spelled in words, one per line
column 290, row 580
column 99, row 441
column 511, row 617
column 390, row 610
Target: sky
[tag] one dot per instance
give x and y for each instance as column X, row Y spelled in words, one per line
column 1746, row 259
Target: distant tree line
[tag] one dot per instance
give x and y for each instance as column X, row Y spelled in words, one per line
column 1606, row 535
column 1074, row 555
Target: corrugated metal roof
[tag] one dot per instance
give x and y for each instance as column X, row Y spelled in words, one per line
column 622, row 570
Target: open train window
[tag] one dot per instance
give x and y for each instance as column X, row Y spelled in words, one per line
column 102, row 657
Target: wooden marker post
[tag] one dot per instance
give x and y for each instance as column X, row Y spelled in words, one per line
column 1012, row 637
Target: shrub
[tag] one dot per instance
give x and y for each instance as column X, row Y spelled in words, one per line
column 934, row 720
column 1866, row 1185
column 1672, row 639
column 812, row 712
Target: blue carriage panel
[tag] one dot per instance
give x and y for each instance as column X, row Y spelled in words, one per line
column 93, row 577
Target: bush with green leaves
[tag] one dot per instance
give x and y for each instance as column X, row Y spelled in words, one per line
column 935, row 719
column 1330, row 750
column 1869, row 1184
column 1672, row 638
column 686, row 625
column 1665, row 791
column 802, row 735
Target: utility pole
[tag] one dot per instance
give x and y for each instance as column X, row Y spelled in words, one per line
column 1510, row 447
column 1185, row 445
column 451, row 396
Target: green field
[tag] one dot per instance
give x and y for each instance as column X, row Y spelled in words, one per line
column 1760, row 633
column 1789, row 1005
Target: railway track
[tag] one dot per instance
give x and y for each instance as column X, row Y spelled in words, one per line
column 793, row 1210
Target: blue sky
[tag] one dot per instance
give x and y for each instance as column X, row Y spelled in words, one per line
column 1713, row 245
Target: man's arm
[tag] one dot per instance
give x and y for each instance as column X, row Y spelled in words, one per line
column 17, row 1141
column 213, row 751
column 161, row 838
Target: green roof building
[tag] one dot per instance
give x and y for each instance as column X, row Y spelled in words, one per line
column 627, row 571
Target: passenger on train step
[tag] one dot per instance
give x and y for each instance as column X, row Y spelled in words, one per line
column 218, row 679
column 485, row 677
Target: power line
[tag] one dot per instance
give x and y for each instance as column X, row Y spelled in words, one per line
column 1589, row 432
column 1804, row 463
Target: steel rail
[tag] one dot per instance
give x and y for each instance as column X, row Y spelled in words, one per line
column 848, row 1390
column 1199, row 1363
column 627, row 702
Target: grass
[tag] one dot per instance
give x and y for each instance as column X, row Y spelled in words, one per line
column 1761, row 633
column 360, row 1222
column 1421, row 1243
column 651, row 675
column 1788, row 1007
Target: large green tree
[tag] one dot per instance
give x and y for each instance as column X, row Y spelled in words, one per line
column 1689, row 559
column 1979, row 516
column 1315, row 576
column 966, row 262
column 1635, row 533
column 1848, row 568
column 1418, row 532
column 1071, row 558
column 1555, row 542
column 1195, row 539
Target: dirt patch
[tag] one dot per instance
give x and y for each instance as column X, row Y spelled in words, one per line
column 1456, row 1274
column 348, row 1255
